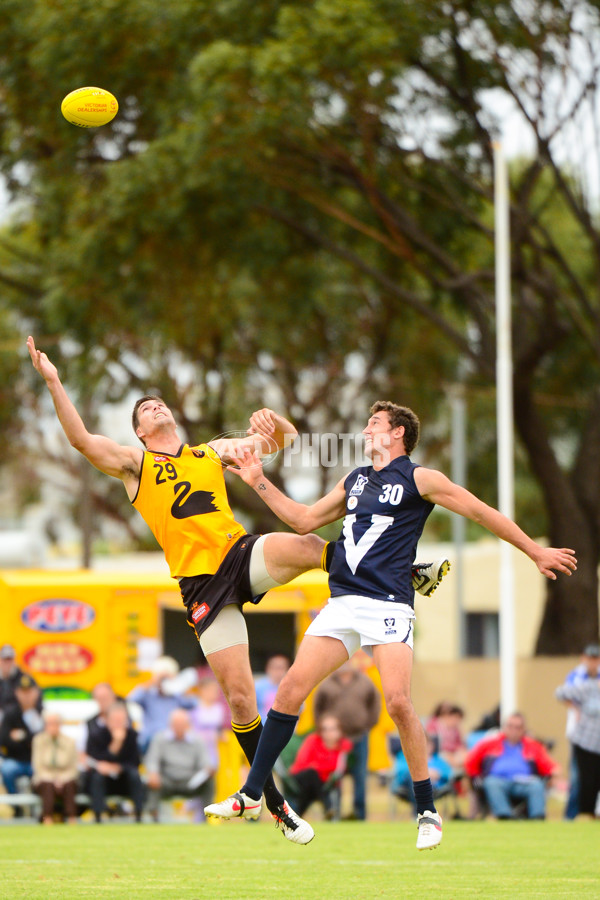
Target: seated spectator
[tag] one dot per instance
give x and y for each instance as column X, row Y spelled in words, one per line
column 440, row 773
column 209, row 717
column 445, row 724
column 113, row 759
column 95, row 727
column 20, row 723
column 54, row 763
column 266, row 685
column 512, row 767
column 10, row 674
column 320, row 762
column 157, row 702
column 177, row 764
column 586, row 740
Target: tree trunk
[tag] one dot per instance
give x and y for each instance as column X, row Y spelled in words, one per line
column 570, row 618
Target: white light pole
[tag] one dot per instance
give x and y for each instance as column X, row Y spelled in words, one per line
column 459, row 476
column 504, row 425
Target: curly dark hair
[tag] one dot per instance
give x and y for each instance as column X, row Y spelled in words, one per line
column 401, row 415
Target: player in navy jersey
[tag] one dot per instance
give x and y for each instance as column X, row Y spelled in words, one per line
column 385, row 506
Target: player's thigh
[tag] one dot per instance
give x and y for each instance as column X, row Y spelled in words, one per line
column 288, row 555
column 225, row 645
column 317, row 658
column 394, row 663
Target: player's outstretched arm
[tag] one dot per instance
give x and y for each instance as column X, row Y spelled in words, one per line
column 299, row 516
column 102, row 452
column 437, row 488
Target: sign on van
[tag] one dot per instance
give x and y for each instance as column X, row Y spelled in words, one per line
column 58, row 658
column 58, row 616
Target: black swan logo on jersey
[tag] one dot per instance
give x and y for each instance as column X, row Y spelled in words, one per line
column 195, row 504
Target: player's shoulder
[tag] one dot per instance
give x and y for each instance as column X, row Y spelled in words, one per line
column 426, row 476
column 202, row 451
column 357, row 478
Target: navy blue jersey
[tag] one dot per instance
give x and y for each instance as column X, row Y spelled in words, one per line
column 385, row 515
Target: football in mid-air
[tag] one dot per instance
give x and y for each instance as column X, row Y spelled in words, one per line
column 89, row 107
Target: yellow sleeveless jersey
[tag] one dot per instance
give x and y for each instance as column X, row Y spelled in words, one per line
column 183, row 499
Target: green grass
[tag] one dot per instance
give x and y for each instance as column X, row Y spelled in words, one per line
column 254, row 862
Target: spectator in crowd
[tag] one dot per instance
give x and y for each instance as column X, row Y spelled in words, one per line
column 209, row 717
column 54, row 763
column 587, row 670
column 440, row 772
column 157, row 702
column 512, row 767
column 178, row 764
column 351, row 697
column 95, row 729
column 445, row 724
column 10, row 674
column 586, row 739
column 266, row 686
column 320, row 762
column 112, row 760
column 20, row 723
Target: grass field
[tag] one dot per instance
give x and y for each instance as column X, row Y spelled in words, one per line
column 253, row 862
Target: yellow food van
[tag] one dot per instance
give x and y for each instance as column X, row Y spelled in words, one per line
column 74, row 628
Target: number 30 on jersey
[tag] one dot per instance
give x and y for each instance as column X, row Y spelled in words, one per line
column 391, row 493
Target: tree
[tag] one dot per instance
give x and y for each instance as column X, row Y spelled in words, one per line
column 316, row 180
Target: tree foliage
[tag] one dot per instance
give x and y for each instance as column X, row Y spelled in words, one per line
column 295, row 202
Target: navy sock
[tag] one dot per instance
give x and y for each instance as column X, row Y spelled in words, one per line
column 248, row 737
column 277, row 731
column 424, row 795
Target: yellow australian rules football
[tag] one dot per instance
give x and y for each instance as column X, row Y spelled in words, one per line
column 89, row 107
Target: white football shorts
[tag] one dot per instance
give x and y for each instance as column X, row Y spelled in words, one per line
column 364, row 622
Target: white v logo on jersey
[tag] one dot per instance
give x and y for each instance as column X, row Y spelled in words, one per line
column 356, row 552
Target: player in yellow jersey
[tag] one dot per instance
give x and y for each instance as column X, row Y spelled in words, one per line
column 180, row 492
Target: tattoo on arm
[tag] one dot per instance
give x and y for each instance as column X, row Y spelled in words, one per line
column 262, row 486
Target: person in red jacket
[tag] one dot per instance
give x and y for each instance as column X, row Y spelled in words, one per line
column 320, row 761
column 512, row 766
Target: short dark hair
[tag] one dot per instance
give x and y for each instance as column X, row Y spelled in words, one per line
column 401, row 416
column 134, row 415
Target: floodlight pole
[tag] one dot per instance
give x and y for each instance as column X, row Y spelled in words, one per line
column 504, row 425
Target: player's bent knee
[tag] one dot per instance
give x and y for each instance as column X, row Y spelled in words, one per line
column 243, row 708
column 290, row 697
column 312, row 546
column 400, row 708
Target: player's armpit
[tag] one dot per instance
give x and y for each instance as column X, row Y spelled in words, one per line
column 326, row 510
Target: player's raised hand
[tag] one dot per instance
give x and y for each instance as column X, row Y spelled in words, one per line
column 262, row 422
column 248, row 466
column 40, row 361
column 562, row 559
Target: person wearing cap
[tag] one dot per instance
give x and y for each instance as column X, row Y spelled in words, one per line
column 581, row 691
column 20, row 723
column 9, row 676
